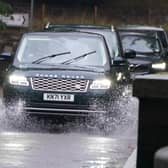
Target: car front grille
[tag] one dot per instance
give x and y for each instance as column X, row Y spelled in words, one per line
column 140, row 69
column 59, row 85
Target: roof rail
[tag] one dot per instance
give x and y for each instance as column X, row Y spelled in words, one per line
column 81, row 26
column 47, row 25
column 112, row 28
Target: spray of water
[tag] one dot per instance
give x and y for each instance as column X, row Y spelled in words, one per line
column 13, row 118
column 123, row 120
column 127, row 109
column 121, row 117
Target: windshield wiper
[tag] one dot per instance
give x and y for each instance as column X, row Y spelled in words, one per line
column 38, row 61
column 77, row 58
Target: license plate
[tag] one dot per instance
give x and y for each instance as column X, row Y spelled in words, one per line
column 58, row 97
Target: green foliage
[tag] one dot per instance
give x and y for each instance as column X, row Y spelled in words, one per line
column 2, row 25
column 87, row 2
column 5, row 9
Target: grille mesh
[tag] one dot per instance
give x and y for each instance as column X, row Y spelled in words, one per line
column 59, row 85
column 141, row 69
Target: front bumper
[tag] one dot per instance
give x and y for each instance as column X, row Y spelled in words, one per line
column 60, row 112
column 84, row 104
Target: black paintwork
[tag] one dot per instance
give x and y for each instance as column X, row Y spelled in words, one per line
column 142, row 63
column 90, row 100
column 158, row 31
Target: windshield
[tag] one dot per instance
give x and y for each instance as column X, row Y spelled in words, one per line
column 111, row 40
column 160, row 34
column 140, row 44
column 61, row 48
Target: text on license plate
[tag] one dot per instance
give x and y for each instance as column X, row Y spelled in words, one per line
column 58, row 97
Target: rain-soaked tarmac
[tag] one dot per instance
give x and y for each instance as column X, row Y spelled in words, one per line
column 69, row 145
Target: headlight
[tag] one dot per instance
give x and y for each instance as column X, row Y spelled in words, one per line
column 159, row 66
column 119, row 76
column 101, row 84
column 18, row 80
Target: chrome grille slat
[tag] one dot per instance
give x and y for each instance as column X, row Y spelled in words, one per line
column 59, row 85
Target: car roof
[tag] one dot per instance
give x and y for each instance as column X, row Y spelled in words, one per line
column 74, row 33
column 55, row 27
column 140, row 27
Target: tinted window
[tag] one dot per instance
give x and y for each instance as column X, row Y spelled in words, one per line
column 163, row 39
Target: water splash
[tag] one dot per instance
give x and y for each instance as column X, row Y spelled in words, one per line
column 123, row 122
column 122, row 117
column 126, row 122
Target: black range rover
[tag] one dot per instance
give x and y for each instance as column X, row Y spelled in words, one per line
column 63, row 73
column 150, row 54
column 148, row 30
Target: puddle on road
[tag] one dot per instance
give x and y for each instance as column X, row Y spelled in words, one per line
column 110, row 150
column 123, row 124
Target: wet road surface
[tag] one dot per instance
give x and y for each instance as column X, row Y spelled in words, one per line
column 73, row 150
column 68, row 146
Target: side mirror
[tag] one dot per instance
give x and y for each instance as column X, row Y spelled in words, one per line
column 166, row 52
column 128, row 53
column 6, row 57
